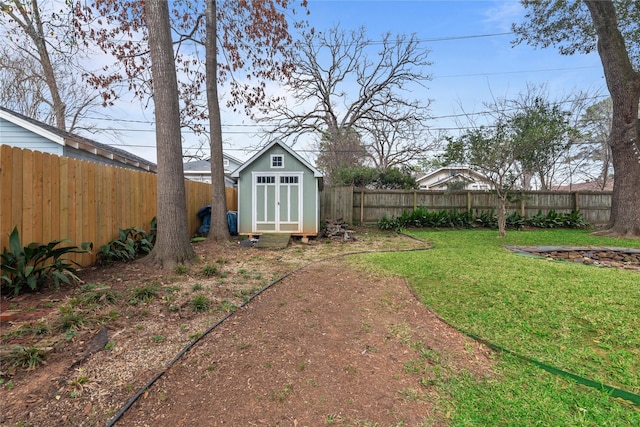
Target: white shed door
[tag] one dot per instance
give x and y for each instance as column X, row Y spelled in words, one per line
column 277, row 201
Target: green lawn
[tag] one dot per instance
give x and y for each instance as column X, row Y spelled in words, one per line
column 582, row 319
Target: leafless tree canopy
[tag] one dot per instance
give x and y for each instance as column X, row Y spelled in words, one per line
column 338, row 150
column 345, row 82
column 41, row 64
column 593, row 150
column 395, row 143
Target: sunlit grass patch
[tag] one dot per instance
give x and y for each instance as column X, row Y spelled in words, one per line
column 579, row 318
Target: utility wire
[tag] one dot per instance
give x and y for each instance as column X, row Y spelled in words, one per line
column 255, row 125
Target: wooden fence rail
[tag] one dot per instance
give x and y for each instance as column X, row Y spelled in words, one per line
column 359, row 206
column 49, row 197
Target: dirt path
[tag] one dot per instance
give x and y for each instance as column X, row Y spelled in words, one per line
column 327, row 345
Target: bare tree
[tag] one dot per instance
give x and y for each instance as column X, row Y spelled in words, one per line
column 592, row 148
column 396, row 143
column 339, row 149
column 22, row 88
column 172, row 242
column 27, row 17
column 40, row 65
column 339, row 86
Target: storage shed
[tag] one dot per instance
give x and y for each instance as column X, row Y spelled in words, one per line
column 278, row 192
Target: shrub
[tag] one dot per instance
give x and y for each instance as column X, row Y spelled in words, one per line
column 368, row 177
column 515, row 220
column 574, row 220
column 130, row 243
column 422, row 218
column 487, row 219
column 33, row 265
column 461, row 219
column 553, row 219
column 386, row 223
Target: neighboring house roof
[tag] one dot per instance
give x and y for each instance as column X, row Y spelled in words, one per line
column 110, row 154
column 316, row 173
column 585, row 186
column 200, row 170
column 197, row 166
column 441, row 177
column 204, row 165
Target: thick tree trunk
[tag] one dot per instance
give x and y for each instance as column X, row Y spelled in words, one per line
column 172, row 242
column 625, row 202
column 624, row 86
column 219, row 230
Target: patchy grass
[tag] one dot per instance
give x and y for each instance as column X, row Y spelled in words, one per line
column 144, row 293
column 582, row 319
column 18, row 356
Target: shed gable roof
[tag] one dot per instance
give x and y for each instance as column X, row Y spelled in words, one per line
column 289, row 150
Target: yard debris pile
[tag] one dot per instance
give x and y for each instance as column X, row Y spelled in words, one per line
column 337, row 229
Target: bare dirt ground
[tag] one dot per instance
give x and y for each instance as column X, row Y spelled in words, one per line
column 327, row 345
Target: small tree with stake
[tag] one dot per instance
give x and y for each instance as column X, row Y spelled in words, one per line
column 492, row 151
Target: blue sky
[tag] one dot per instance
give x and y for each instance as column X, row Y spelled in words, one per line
column 467, row 71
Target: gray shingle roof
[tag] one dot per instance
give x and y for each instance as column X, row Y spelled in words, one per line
column 82, row 143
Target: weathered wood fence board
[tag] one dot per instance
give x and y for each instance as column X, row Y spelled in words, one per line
column 358, row 206
column 337, row 202
column 50, row 197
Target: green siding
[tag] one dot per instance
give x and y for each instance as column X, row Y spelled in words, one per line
column 309, row 205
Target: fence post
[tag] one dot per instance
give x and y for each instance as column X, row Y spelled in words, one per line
column 523, row 204
column 415, row 199
column 576, row 205
column 469, row 201
column 361, row 207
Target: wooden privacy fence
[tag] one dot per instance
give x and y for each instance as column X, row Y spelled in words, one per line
column 49, row 197
column 358, row 206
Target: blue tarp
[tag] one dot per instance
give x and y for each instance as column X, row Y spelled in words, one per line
column 205, row 216
column 232, row 222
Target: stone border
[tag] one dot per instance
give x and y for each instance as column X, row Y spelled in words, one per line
column 629, row 258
